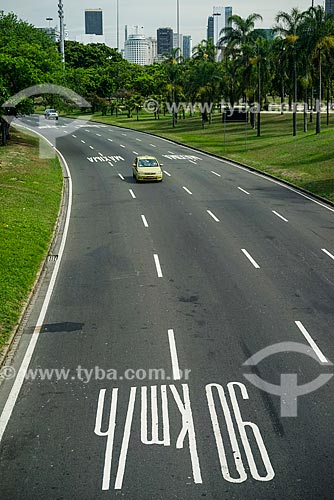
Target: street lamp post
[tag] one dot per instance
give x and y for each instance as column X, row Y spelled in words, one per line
column 61, row 29
column 216, row 15
column 178, row 21
column 117, row 21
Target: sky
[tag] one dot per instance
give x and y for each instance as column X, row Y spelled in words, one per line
column 151, row 14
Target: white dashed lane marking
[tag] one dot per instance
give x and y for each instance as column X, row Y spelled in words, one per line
column 280, row 216
column 328, row 253
column 213, row 216
column 243, row 190
column 250, row 258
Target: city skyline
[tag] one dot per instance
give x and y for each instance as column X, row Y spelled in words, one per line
column 152, row 14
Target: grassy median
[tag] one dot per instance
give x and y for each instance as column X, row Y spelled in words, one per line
column 306, row 160
column 30, row 194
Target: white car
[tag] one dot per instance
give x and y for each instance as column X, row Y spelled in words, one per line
column 51, row 114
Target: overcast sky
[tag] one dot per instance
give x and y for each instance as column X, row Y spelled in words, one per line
column 151, row 14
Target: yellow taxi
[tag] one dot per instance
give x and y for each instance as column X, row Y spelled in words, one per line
column 147, row 168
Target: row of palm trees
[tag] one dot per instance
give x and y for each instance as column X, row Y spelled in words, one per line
column 297, row 63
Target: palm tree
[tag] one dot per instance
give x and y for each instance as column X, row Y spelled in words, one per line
column 172, row 62
column 260, row 48
column 318, row 33
column 288, row 26
column 205, row 51
column 241, row 32
column 238, row 43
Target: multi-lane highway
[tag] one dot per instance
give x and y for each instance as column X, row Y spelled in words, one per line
column 130, row 376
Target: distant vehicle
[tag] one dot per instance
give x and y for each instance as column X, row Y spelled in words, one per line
column 51, row 114
column 147, row 168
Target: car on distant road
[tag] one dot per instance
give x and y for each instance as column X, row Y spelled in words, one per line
column 147, row 168
column 51, row 114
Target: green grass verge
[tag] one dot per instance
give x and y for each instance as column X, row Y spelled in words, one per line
column 30, row 194
column 306, row 160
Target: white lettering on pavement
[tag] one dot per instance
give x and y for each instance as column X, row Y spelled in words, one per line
column 102, row 158
column 155, row 430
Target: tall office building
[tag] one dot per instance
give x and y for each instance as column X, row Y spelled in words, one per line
column 93, row 22
column 164, row 40
column 52, row 32
column 177, row 42
column 228, row 14
column 152, row 49
column 136, row 49
column 218, row 15
column 187, row 46
column 89, row 39
column 211, row 28
column 329, row 6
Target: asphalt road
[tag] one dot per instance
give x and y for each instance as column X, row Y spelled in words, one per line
column 185, row 280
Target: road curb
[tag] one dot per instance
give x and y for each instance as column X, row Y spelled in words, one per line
column 233, row 162
column 42, row 269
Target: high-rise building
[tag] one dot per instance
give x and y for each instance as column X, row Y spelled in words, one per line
column 211, row 28
column 152, row 49
column 187, row 46
column 52, row 32
column 228, row 14
column 164, row 40
column 329, row 6
column 136, row 49
column 177, row 41
column 88, row 39
column 93, row 22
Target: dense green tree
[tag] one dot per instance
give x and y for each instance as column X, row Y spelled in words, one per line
column 95, row 55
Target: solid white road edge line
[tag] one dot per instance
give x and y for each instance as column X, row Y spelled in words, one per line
column 213, row 216
column 144, row 220
column 132, row 193
column 328, row 253
column 280, row 216
column 13, row 395
column 309, row 339
column 186, row 189
column 173, row 353
column 157, row 265
column 250, row 258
